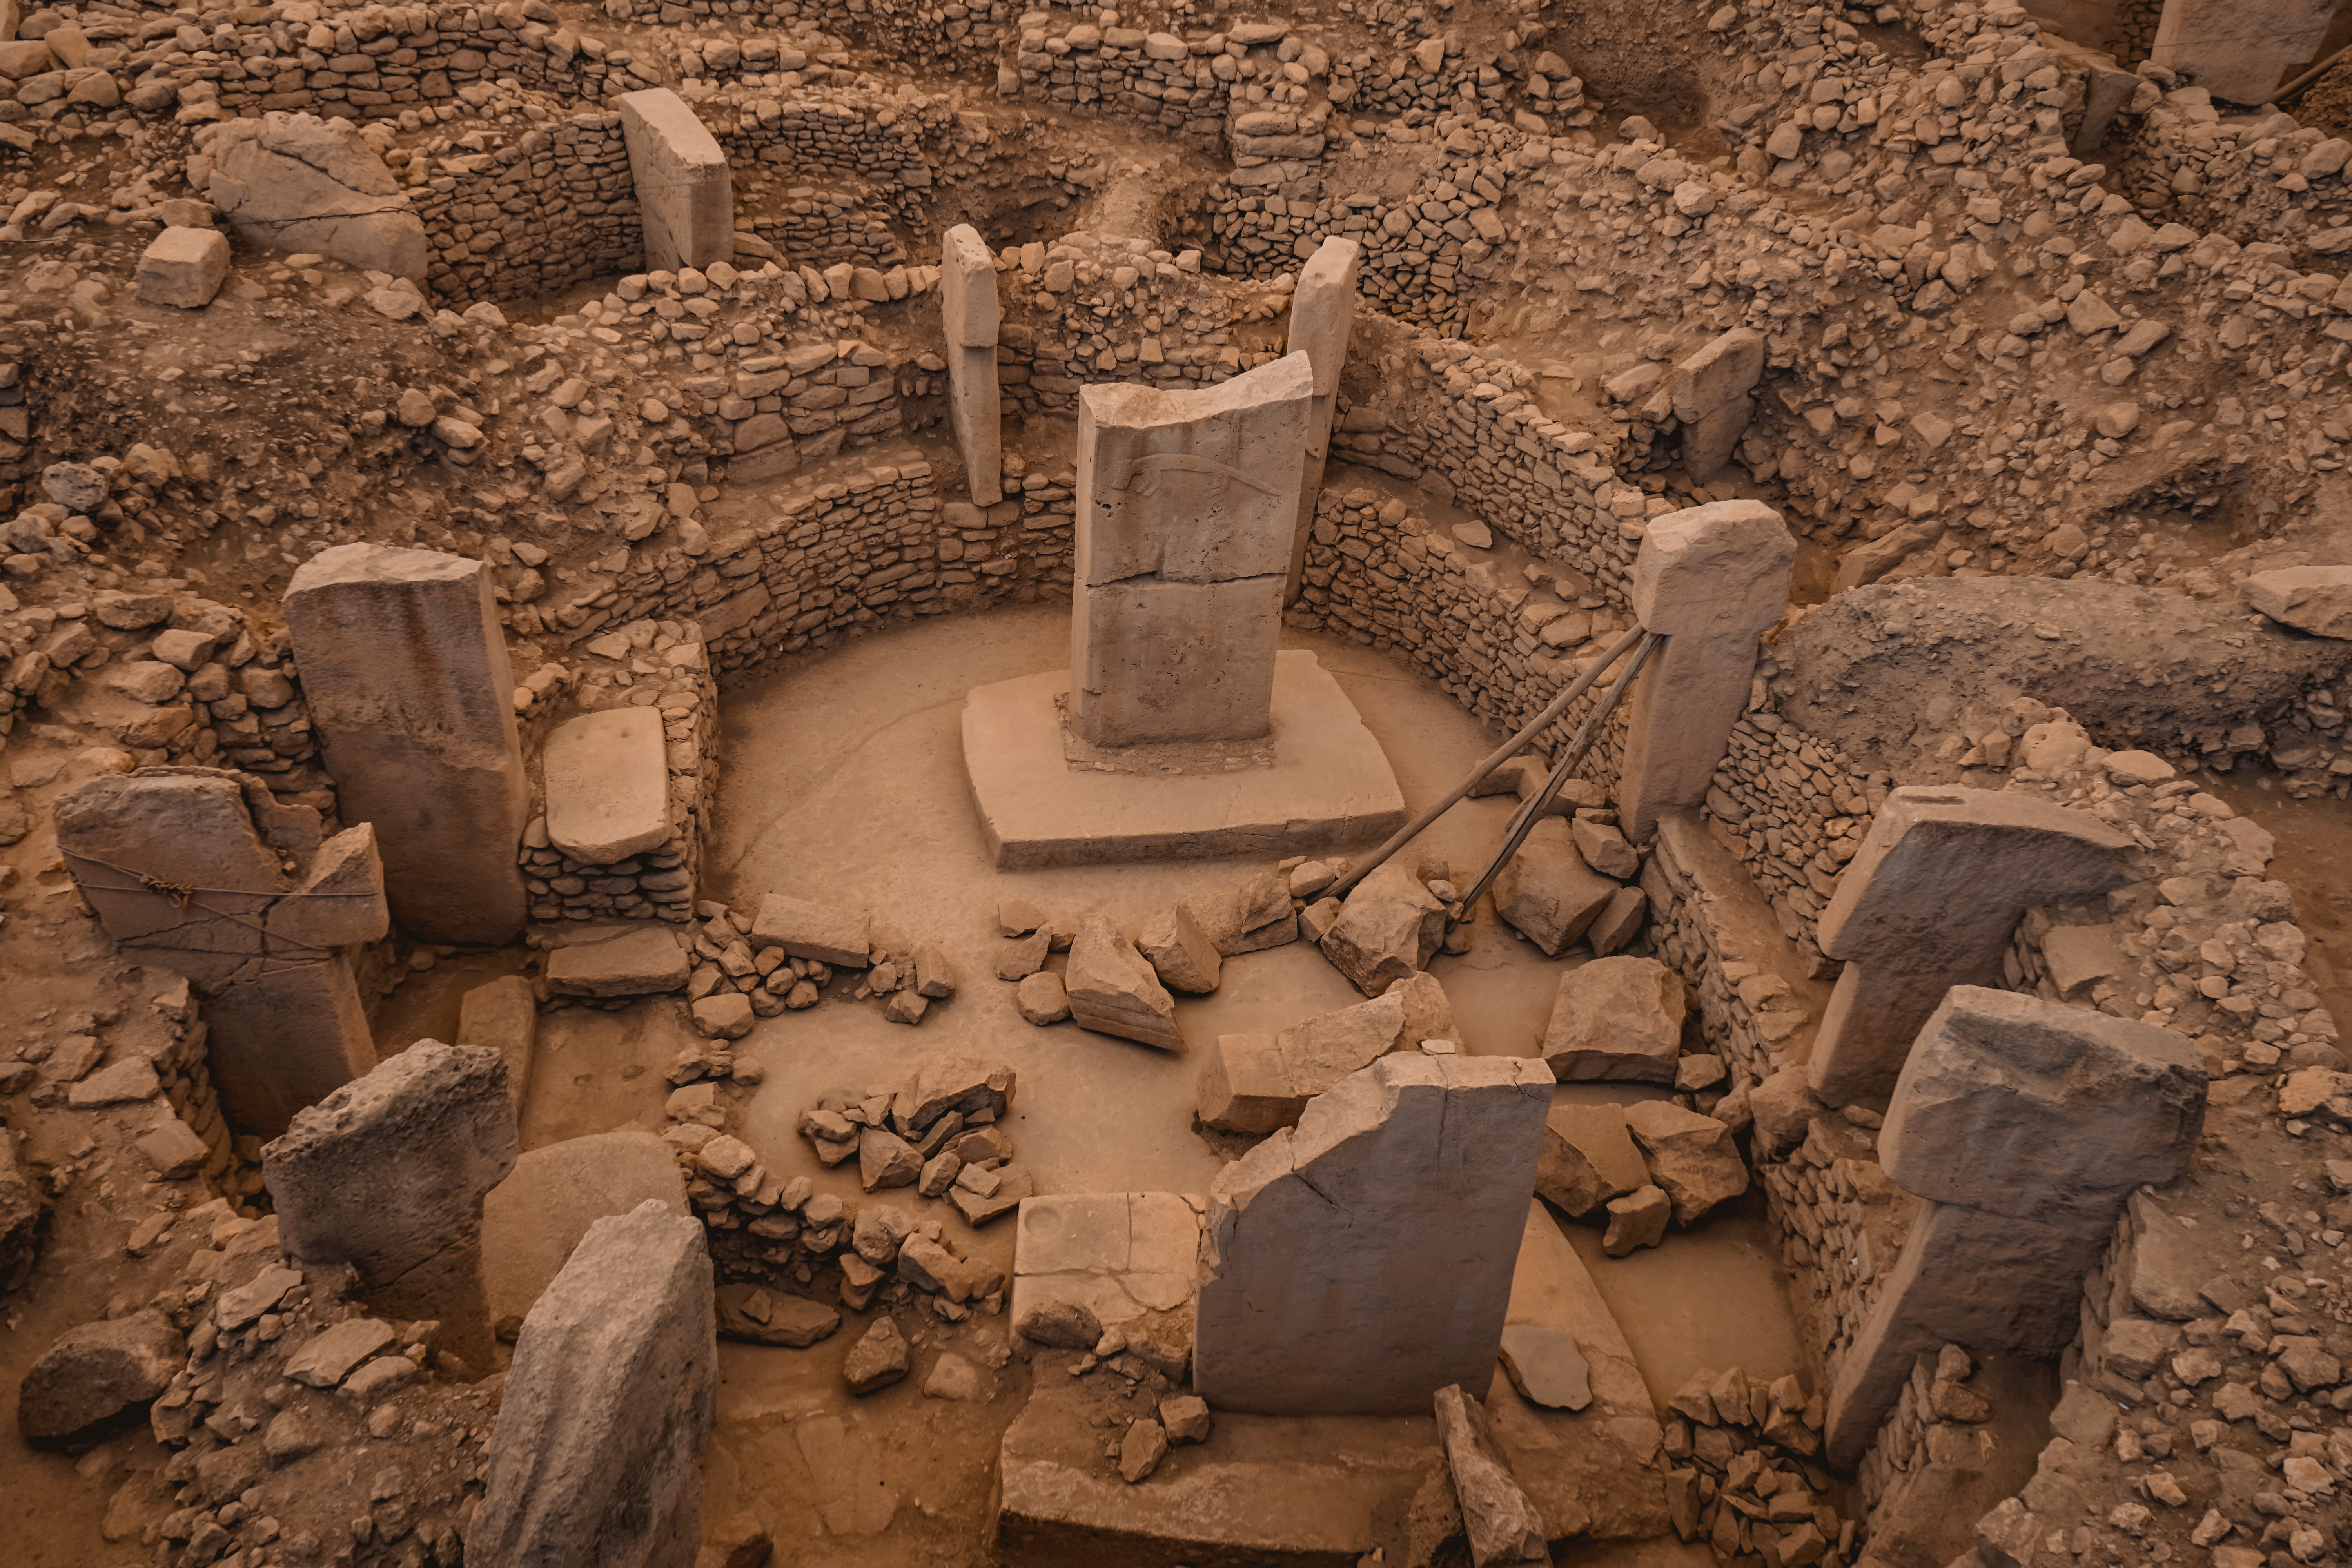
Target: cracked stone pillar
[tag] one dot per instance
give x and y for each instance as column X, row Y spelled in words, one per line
column 1187, row 503
column 2240, row 50
column 1713, row 578
column 973, row 317
column 1322, row 315
column 387, row 1174
column 613, row 1393
column 1930, row 901
column 685, row 196
column 405, row 666
column 184, row 868
column 2024, row 1125
column 1362, row 1261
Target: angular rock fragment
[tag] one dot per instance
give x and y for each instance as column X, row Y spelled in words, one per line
column 1548, row 892
column 1503, row 1525
column 1617, row 1020
column 1587, row 1158
column 1112, row 991
column 1180, row 950
column 95, row 1374
column 1389, row 927
column 1691, row 1157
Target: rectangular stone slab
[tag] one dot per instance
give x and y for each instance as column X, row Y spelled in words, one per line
column 806, row 929
column 639, row 962
column 607, row 780
column 684, row 189
column 1160, row 661
column 1330, row 786
column 1118, row 1255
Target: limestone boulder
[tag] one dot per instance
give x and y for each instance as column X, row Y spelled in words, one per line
column 295, row 181
column 1616, row 1020
column 763, row 1317
column 1255, row 1083
column 977, row 1088
column 641, row 962
column 805, row 929
column 97, row 1374
column 1547, row 893
column 1181, row 950
column 1389, row 927
column 1691, row 1157
column 1113, row 991
column 1587, row 1158
column 1503, row 1525
column 2314, row 599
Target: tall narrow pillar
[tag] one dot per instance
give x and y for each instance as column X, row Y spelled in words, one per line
column 2024, row 1125
column 685, row 196
column 1322, row 315
column 1714, row 578
column 1187, row 503
column 404, row 668
column 973, row 317
column 2240, row 50
column 1930, row 901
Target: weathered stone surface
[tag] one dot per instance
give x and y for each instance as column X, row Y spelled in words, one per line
column 1617, row 1020
column 804, row 928
column 503, row 1016
column 1117, row 1255
column 1255, row 1083
column 1322, row 317
column 183, row 267
column 1390, row 927
column 2018, row 1107
column 878, row 1359
column 286, row 1023
column 1187, row 505
column 533, row 1219
column 295, row 181
column 764, row 1317
column 1691, row 1157
column 612, row 1391
column 2314, row 599
column 1931, row 902
column 1587, row 1158
column 1112, row 991
column 1547, row 893
column 387, row 1174
column 1503, row 1525
column 1362, row 1261
column 2240, row 51
column 971, row 1086
column 1637, row 1220
column 686, row 195
column 405, row 668
column 972, row 318
column 607, row 781
column 1545, row 1365
column 1180, row 950
column 1041, row 998
column 641, row 961
column 1713, row 578
column 95, row 1374
column 334, row 1353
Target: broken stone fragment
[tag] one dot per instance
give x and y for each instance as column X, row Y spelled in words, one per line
column 935, row 976
column 1389, row 927
column 723, row 1016
column 2314, row 599
column 95, row 1374
column 1113, row 991
column 1616, row 1020
column 1503, row 1525
column 1691, row 1157
column 1002, row 1194
column 1604, row 848
column 332, row 1355
column 1636, row 1220
column 807, row 930
column 1180, row 950
column 1544, row 1364
column 1547, row 893
column 1587, row 1158
column 1041, row 999
column 878, row 1359
column 1186, row 1417
column 977, row 1088
column 1140, row 1451
column 886, row 1160
column 1062, row 1325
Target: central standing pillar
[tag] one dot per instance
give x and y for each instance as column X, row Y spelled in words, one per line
column 1186, row 505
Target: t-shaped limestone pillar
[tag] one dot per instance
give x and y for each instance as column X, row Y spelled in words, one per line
column 973, row 317
column 387, row 1174
column 406, row 670
column 1362, row 1261
column 1186, row 502
column 2238, row 49
column 1322, row 315
column 1710, row 390
column 171, row 862
column 686, row 197
column 1930, row 901
column 2024, row 1124
column 1712, row 578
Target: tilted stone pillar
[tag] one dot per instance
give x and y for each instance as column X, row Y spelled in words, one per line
column 685, row 196
column 1358, row 1263
column 973, row 319
column 2240, row 50
column 1322, row 316
column 1930, row 901
column 404, row 668
column 1711, row 399
column 1187, row 503
column 612, row 1394
column 388, row 1174
column 1714, row 578
column 172, row 864
column 2024, row 1124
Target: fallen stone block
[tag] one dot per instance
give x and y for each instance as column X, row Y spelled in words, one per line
column 1390, row 927
column 761, row 1317
column 295, row 182
column 607, row 782
column 1502, row 1524
column 2314, row 599
column 978, row 1089
column 533, row 1219
column 878, row 1359
column 1617, row 1020
column 1637, row 1220
column 1547, row 893
column 184, row 268
column 645, row 961
column 1112, row 991
column 807, row 930
column 334, row 1353
column 1691, row 1157
column 97, row 1374
column 1255, row 1083
column 1587, row 1158
column 1180, row 950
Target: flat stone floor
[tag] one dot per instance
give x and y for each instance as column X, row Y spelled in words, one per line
column 842, row 780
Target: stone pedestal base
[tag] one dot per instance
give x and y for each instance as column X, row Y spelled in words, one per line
column 1043, row 803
